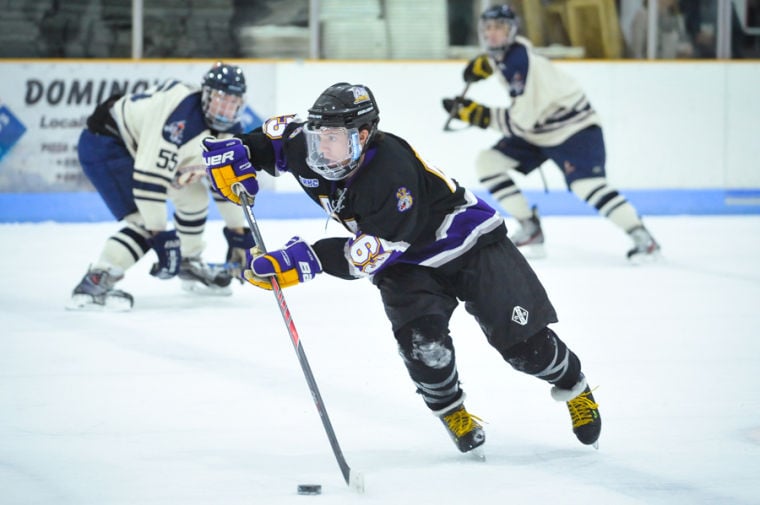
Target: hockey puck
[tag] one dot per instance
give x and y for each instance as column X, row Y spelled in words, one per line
column 309, row 489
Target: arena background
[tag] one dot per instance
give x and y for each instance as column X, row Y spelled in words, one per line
column 681, row 136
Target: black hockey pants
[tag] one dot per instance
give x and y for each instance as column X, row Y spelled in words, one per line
column 502, row 292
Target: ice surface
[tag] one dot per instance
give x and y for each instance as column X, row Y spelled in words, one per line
column 200, row 400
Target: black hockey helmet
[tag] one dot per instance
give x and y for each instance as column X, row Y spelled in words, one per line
column 344, row 109
column 223, row 89
column 345, row 105
column 505, row 15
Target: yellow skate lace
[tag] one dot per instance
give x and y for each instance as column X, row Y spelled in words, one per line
column 461, row 422
column 582, row 409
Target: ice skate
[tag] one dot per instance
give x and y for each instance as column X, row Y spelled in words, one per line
column 203, row 278
column 96, row 293
column 529, row 238
column 464, row 429
column 584, row 412
column 645, row 247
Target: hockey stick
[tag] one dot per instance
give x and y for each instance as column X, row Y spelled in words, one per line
column 354, row 479
column 543, row 179
column 447, row 126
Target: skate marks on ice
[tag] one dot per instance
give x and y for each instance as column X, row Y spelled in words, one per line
column 194, row 401
column 528, row 474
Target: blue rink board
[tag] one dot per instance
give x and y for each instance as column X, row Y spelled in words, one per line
column 88, row 207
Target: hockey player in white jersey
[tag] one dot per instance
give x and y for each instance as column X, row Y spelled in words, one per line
column 550, row 118
column 142, row 151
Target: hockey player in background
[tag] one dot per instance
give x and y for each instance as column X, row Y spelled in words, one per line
column 422, row 239
column 549, row 118
column 142, row 151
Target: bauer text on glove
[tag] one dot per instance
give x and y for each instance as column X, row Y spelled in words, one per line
column 166, row 245
column 468, row 111
column 477, row 69
column 293, row 264
column 228, row 163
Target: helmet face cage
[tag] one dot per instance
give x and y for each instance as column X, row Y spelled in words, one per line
column 332, row 152
column 223, row 96
column 498, row 17
column 335, row 119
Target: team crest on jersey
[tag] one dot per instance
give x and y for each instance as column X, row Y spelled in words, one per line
column 308, row 183
column 175, row 131
column 520, row 315
column 517, row 83
column 404, row 198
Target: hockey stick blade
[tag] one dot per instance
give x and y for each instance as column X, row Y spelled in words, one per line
column 353, row 479
column 356, row 481
column 449, row 128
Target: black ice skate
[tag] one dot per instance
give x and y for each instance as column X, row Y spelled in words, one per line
column 645, row 248
column 200, row 277
column 464, row 428
column 584, row 412
column 96, row 293
column 530, row 237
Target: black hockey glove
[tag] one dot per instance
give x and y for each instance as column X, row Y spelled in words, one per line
column 166, row 245
column 477, row 69
column 468, row 111
column 237, row 246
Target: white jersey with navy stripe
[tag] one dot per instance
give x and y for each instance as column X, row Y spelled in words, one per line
column 162, row 128
column 548, row 105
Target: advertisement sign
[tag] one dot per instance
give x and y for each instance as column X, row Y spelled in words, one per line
column 44, row 108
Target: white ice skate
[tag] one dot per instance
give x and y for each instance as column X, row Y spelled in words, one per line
column 203, row 278
column 529, row 238
column 96, row 293
column 645, row 248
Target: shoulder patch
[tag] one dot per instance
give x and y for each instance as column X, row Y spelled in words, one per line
column 186, row 121
column 173, row 132
column 404, row 199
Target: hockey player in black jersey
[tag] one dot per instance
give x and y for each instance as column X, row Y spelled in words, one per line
column 422, row 239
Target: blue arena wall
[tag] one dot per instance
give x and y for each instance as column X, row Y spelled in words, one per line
column 88, row 207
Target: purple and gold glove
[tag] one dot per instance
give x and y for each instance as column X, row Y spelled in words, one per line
column 228, row 164
column 293, row 264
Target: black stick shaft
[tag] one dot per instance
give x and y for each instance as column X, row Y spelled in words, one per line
column 453, row 113
column 247, row 203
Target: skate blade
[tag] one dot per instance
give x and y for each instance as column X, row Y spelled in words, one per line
column 533, row 251
column 477, row 454
column 84, row 303
column 199, row 288
column 645, row 259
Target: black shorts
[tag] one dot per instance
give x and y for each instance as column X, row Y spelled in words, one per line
column 496, row 283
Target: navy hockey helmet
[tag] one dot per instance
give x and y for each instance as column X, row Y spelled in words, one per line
column 498, row 16
column 333, row 129
column 222, row 97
